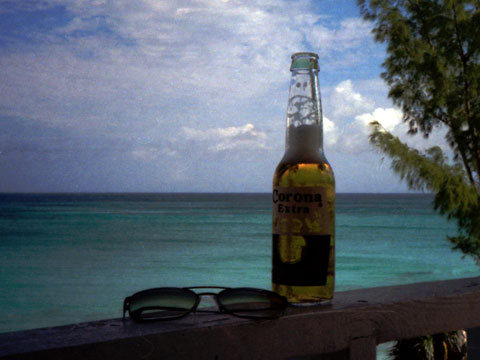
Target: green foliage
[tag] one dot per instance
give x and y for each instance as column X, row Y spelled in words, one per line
column 430, row 171
column 433, row 67
column 433, row 73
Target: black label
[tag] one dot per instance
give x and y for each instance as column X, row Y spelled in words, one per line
column 310, row 270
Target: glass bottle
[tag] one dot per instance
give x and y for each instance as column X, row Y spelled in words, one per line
column 303, row 236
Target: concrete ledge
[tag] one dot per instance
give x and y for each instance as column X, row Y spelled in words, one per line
column 352, row 325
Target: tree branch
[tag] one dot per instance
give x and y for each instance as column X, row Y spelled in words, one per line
column 467, row 103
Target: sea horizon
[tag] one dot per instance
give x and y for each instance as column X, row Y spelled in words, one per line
column 71, row 257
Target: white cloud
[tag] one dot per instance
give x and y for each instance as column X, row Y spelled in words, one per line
column 191, row 142
column 347, row 129
column 245, row 138
column 390, row 119
column 345, row 44
column 345, row 101
column 354, row 136
column 174, row 80
column 147, row 50
column 352, row 33
column 330, row 132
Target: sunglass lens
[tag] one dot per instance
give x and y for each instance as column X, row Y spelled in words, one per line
column 162, row 304
column 252, row 303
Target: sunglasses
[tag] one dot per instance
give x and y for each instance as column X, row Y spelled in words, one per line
column 168, row 303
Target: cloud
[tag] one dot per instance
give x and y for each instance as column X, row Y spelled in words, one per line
column 359, row 131
column 176, row 85
column 346, row 102
column 330, row 132
column 347, row 127
column 354, row 136
column 343, row 44
column 245, row 138
column 391, row 120
column 351, row 33
column 119, row 57
column 196, row 143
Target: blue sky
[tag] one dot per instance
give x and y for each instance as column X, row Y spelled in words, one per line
column 160, row 95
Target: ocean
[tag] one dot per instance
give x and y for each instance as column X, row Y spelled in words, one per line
column 69, row 258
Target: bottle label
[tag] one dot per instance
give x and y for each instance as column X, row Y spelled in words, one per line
column 300, row 210
column 301, row 236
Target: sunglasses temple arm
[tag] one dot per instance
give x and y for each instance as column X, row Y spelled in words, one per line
column 126, row 306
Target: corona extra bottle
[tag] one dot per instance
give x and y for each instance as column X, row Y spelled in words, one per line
column 303, row 252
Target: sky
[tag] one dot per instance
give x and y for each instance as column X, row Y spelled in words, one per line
column 183, row 96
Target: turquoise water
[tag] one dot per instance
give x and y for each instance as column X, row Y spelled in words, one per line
column 70, row 258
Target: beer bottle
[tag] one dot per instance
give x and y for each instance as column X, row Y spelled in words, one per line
column 303, row 255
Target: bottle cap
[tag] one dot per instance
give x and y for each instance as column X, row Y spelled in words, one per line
column 304, row 60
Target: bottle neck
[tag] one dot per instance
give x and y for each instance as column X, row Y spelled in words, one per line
column 304, row 135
